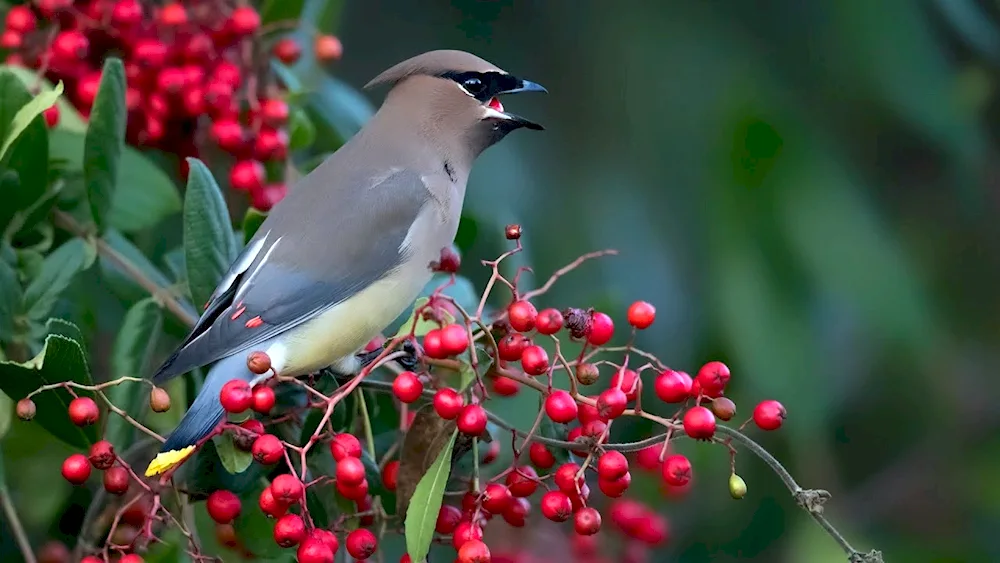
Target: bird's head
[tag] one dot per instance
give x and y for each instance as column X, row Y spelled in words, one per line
column 457, row 93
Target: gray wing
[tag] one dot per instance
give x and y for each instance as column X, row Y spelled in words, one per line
column 293, row 270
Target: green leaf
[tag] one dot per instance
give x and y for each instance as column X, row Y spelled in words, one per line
column 252, row 221
column 10, row 300
column 26, row 114
column 61, row 359
column 281, row 10
column 340, row 107
column 58, row 271
column 69, row 117
column 303, row 132
column 255, row 530
column 6, row 413
column 420, row 326
column 105, row 139
column 209, row 245
column 235, row 460
column 130, row 354
column 65, row 328
column 426, row 503
column 145, row 194
column 27, row 154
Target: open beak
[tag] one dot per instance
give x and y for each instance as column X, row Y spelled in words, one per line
column 499, row 112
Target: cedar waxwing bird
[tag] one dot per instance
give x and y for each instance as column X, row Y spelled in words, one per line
column 350, row 247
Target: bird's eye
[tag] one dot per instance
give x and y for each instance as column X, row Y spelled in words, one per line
column 473, row 85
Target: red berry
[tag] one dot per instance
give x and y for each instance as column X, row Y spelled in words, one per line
column 287, row 50
column 91, row 559
column 236, row 396
column 492, row 451
column 676, row 470
column 474, row 551
column 314, row 550
column 616, row 487
column 327, row 537
column 271, row 144
column 713, row 378
column 11, row 40
column 289, row 530
column 150, row 53
column 228, row 134
column 523, row 481
column 602, row 328
column 522, row 315
column 611, row 403
column 496, row 498
column 228, row 73
column 626, row 380
column 171, row 80
column 466, row 532
column 433, row 346
column 270, row 505
column 76, row 469
column 274, row 112
column 556, row 506
column 541, row 456
column 328, row 48
column 86, row 89
column 505, row 386
column 26, row 409
column 769, row 415
column 253, row 425
column 588, row 413
column 263, row 398
column 101, row 455
column 247, row 175
column 649, row 457
column 641, row 314
column 344, row 446
column 172, row 15
column 699, row 423
column 287, row 489
column 21, row 19
column 472, row 420
column 448, row 518
column 268, row 196
column 83, row 411
column 126, row 13
column 549, row 321
column 612, row 465
column 390, row 475
column 560, row 407
column 116, row 480
column 454, row 339
column 350, row 471
column 448, row 403
column 223, row 506
column 244, row 21
column 267, row 449
column 356, row 492
column 566, row 478
column 587, row 521
column 70, row 45
column 131, row 558
column 511, row 347
column 361, row 543
column 672, row 386
column 407, row 387
column 535, row 360
column 517, row 512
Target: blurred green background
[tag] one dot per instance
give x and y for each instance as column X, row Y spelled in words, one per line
column 805, row 190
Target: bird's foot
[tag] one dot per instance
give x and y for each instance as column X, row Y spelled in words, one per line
column 408, row 362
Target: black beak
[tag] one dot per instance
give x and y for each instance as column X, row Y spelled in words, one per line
column 525, row 86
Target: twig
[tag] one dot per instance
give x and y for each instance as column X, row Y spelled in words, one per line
column 567, row 269
column 16, row 528
column 162, row 296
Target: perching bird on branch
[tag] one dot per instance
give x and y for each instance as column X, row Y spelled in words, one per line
column 349, row 248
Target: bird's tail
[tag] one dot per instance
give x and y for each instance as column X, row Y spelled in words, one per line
column 204, row 415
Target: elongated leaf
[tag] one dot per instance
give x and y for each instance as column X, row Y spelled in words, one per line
column 10, row 300
column 303, row 132
column 26, row 153
column 105, row 139
column 235, row 460
column 251, row 222
column 426, row 503
column 61, row 359
column 27, row 113
column 6, row 413
column 209, row 246
column 69, row 117
column 67, row 329
column 58, row 271
column 280, row 10
column 428, row 433
column 130, row 355
column 144, row 194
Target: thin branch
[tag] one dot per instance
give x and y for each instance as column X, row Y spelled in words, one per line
column 10, row 513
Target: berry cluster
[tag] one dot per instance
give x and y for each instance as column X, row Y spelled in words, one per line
column 551, row 472
column 193, row 71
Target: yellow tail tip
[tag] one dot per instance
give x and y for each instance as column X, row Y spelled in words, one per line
column 166, row 460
